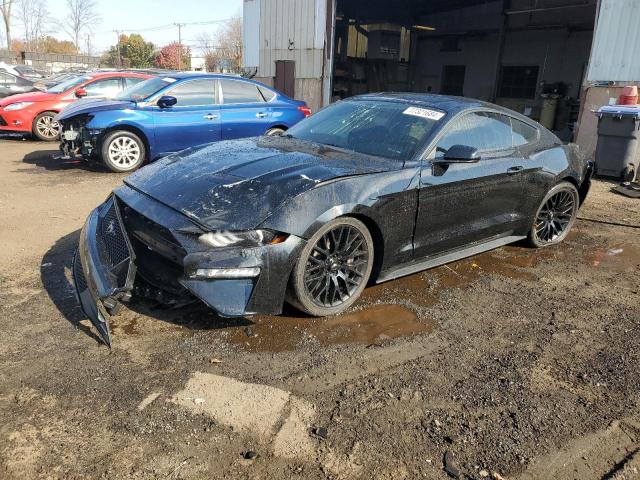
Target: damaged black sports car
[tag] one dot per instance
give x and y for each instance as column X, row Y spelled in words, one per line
column 366, row 190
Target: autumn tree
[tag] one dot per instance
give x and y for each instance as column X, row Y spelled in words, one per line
column 174, row 57
column 52, row 45
column 81, row 15
column 131, row 51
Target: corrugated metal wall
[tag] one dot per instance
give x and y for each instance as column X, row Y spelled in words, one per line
column 292, row 30
column 615, row 55
column 251, row 33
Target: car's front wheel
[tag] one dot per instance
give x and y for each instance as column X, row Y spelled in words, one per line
column 555, row 216
column 123, row 151
column 45, row 128
column 333, row 268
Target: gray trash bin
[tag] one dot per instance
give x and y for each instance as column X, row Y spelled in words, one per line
column 618, row 153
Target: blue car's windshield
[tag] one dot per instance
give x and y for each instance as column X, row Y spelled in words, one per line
column 381, row 128
column 145, row 89
column 68, row 84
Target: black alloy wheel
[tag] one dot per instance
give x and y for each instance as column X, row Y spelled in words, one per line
column 555, row 216
column 333, row 268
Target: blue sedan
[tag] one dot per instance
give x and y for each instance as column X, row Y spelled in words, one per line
column 171, row 113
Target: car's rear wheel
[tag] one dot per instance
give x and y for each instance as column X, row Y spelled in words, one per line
column 333, row 268
column 274, row 131
column 123, row 151
column 555, row 216
column 45, row 128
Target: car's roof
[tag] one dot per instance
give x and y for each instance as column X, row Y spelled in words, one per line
column 115, row 74
column 447, row 103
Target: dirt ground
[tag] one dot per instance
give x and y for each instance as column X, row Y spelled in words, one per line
column 516, row 364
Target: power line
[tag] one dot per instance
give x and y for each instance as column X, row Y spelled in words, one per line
column 168, row 26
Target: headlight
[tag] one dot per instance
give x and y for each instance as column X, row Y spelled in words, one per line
column 252, row 238
column 17, row 106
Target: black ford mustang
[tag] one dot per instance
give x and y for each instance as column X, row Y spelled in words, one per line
column 367, row 190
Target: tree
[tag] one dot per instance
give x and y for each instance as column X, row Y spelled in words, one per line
column 5, row 8
column 53, row 45
column 229, row 43
column 34, row 16
column 224, row 49
column 131, row 52
column 169, row 57
column 81, row 15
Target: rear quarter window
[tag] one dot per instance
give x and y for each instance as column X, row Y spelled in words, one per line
column 523, row 133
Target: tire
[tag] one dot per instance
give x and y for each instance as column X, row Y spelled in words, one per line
column 123, row 151
column 45, row 128
column 333, row 269
column 274, row 131
column 555, row 216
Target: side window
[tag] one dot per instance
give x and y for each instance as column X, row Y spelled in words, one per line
column 523, row 133
column 481, row 130
column 194, row 93
column 234, row 91
column 131, row 81
column 108, row 87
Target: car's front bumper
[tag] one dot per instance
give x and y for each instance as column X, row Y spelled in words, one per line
column 106, row 264
column 15, row 120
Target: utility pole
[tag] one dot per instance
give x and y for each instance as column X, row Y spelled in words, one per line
column 180, row 25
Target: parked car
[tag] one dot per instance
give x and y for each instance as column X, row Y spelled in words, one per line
column 11, row 85
column 34, row 112
column 169, row 113
column 368, row 189
column 24, row 71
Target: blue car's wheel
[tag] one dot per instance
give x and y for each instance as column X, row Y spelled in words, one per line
column 333, row 268
column 123, row 151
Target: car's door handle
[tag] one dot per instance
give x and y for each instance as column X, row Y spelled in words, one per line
column 261, row 115
column 513, row 170
column 210, row 117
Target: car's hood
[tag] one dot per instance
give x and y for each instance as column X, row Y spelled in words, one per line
column 29, row 97
column 235, row 185
column 89, row 106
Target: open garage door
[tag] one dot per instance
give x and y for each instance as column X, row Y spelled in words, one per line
column 528, row 55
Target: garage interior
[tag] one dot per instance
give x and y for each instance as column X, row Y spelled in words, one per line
column 528, row 55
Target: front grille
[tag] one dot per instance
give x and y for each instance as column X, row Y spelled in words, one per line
column 113, row 246
column 113, row 238
column 78, row 274
column 3, row 123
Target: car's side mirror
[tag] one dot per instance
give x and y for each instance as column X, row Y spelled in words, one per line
column 167, row 101
column 81, row 92
column 460, row 154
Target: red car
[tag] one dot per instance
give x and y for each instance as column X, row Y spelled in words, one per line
column 34, row 112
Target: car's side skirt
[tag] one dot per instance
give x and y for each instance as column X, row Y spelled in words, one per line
column 431, row 262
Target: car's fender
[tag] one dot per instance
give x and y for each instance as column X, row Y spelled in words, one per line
column 387, row 202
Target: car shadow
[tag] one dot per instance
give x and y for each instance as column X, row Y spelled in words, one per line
column 55, row 274
column 48, row 160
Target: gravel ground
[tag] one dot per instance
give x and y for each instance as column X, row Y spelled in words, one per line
column 516, row 364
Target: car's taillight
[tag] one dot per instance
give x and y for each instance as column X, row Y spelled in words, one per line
column 306, row 110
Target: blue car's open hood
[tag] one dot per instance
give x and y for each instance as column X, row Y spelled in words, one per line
column 236, row 184
column 89, row 106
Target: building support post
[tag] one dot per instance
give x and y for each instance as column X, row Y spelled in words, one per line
column 499, row 54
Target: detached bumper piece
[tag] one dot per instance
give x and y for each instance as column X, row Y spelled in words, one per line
column 103, row 267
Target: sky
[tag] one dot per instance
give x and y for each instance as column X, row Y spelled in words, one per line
column 138, row 15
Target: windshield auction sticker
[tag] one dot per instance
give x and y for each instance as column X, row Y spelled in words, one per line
column 424, row 113
column 168, row 79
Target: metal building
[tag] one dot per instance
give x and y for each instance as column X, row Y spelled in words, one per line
column 553, row 60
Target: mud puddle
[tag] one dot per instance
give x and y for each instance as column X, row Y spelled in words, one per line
column 369, row 326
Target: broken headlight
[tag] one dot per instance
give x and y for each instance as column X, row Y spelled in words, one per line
column 251, row 238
